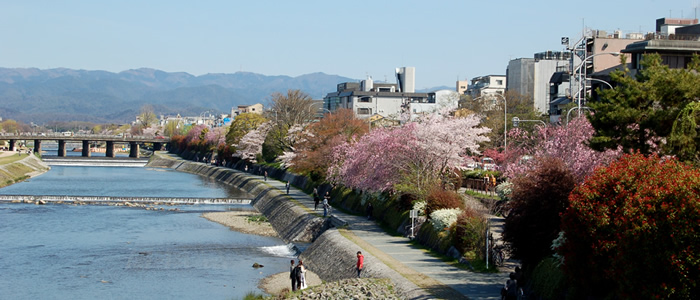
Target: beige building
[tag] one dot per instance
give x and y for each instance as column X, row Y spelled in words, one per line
column 255, row 108
column 462, row 86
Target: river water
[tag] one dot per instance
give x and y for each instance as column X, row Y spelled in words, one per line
column 105, row 252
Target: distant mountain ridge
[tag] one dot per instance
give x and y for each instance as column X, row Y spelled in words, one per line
column 40, row 96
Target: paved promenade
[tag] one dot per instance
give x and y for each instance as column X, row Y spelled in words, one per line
column 415, row 264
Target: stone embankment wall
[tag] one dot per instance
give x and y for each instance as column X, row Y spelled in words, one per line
column 22, row 169
column 330, row 255
column 291, row 221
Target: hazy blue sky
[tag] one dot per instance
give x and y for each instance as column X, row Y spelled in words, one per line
column 444, row 40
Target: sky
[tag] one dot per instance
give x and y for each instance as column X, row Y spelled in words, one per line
column 445, row 41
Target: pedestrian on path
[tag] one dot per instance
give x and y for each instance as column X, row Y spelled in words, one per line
column 360, row 263
column 325, row 204
column 292, row 276
column 265, row 176
column 246, row 168
column 370, row 208
column 317, row 199
column 287, row 186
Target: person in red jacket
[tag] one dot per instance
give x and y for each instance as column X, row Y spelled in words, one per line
column 360, row 263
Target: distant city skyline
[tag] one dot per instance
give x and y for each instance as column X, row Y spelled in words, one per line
column 445, row 41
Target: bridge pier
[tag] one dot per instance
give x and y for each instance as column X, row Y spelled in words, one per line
column 61, row 148
column 86, row 148
column 37, row 146
column 109, row 151
column 134, row 151
column 12, row 145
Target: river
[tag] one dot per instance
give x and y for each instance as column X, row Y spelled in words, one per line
column 105, row 252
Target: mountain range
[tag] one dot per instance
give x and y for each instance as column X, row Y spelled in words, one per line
column 42, row 96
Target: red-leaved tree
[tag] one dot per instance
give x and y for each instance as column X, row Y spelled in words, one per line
column 632, row 230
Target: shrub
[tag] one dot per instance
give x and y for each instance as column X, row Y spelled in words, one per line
column 469, row 232
column 420, row 207
column 444, row 218
column 438, row 240
column 441, row 199
column 632, row 230
column 534, row 220
column 548, row 280
column 504, row 190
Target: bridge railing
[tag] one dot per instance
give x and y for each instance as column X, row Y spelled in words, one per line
column 34, row 135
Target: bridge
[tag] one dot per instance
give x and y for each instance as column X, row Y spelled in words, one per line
column 120, row 200
column 86, row 139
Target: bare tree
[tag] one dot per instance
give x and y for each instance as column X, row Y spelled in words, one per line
column 291, row 109
column 286, row 111
column 147, row 117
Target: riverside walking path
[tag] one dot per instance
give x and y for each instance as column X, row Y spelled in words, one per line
column 442, row 280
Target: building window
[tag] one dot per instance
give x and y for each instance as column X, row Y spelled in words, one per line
column 365, row 99
column 499, row 82
column 364, row 111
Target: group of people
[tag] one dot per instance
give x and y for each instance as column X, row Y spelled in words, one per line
column 298, row 276
column 512, row 289
column 326, row 198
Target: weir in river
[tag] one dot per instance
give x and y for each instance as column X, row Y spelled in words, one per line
column 108, row 199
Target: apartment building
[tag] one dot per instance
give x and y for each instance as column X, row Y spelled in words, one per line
column 368, row 98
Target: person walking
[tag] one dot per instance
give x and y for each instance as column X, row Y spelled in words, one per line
column 265, row 175
column 246, row 168
column 287, row 186
column 370, row 208
column 292, row 276
column 325, row 204
column 360, row 263
column 316, row 198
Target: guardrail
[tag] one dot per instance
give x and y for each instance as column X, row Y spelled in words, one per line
column 108, row 199
column 33, row 135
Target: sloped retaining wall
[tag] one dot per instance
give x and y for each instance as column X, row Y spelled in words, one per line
column 292, row 222
column 330, row 255
column 19, row 170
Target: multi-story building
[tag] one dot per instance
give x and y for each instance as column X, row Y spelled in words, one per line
column 462, row 86
column 591, row 61
column 486, row 85
column 368, row 98
column 255, row 108
column 530, row 76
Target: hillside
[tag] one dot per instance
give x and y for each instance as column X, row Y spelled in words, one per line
column 41, row 96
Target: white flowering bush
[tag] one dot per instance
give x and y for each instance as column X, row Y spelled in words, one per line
column 420, row 207
column 444, row 218
column 504, row 190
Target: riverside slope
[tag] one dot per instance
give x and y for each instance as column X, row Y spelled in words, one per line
column 330, row 255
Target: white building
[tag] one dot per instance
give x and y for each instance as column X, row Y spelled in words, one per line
column 486, row 85
column 437, row 101
column 368, row 98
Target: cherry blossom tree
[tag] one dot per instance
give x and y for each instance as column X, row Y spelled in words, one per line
column 568, row 142
column 251, row 144
column 215, row 136
column 415, row 154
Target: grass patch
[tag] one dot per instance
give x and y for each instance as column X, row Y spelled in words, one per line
column 257, row 219
column 481, row 195
column 11, row 159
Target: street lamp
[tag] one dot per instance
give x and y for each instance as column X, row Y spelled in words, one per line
column 582, row 76
column 516, row 121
